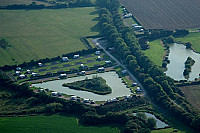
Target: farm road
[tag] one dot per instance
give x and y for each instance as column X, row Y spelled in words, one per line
column 99, row 43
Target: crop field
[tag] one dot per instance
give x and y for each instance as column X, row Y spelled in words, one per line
column 156, row 52
column 36, row 34
column 49, row 124
column 192, row 93
column 165, row 14
column 193, row 37
column 26, row 2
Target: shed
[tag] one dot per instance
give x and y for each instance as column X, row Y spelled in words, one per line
column 17, row 72
column 64, row 75
column 134, row 84
column 138, row 89
column 28, row 71
column 98, row 58
column 108, row 62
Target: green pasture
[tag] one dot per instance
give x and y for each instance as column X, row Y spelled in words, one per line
column 193, row 37
column 49, row 124
column 156, row 52
column 26, row 2
column 36, row 34
column 167, row 130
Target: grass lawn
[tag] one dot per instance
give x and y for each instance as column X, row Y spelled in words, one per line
column 194, row 38
column 36, row 34
column 168, row 130
column 192, row 93
column 49, row 124
column 26, row 2
column 156, row 52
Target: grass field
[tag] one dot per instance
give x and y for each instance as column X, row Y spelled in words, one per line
column 26, row 2
column 49, row 124
column 192, row 93
column 36, row 34
column 168, row 130
column 193, row 37
column 156, row 52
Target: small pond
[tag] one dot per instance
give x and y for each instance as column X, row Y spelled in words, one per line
column 118, row 88
column 177, row 56
column 159, row 123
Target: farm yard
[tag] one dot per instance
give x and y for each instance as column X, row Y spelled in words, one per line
column 192, row 93
column 37, row 34
column 46, row 124
column 165, row 14
column 26, row 2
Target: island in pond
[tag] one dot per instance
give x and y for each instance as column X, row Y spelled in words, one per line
column 96, row 85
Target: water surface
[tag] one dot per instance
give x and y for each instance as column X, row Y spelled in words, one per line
column 177, row 56
column 112, row 80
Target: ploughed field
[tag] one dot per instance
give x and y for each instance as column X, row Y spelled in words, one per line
column 37, row 34
column 165, row 14
column 192, row 93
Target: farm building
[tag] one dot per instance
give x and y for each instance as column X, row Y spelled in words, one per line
column 76, row 56
column 65, row 59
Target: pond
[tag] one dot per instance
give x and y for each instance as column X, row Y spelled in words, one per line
column 177, row 56
column 159, row 123
column 118, row 88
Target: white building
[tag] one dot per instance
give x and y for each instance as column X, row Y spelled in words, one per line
column 76, row 56
column 97, row 52
column 39, row 64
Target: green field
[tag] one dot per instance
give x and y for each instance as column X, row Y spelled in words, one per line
column 193, row 37
column 168, row 130
column 26, row 2
column 156, row 52
column 36, row 34
column 49, row 124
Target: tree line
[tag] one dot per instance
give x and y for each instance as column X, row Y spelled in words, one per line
column 160, row 87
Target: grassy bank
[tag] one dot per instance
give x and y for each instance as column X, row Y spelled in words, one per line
column 193, row 37
column 156, row 52
column 49, row 124
column 36, row 34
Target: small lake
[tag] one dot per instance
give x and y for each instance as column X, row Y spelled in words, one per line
column 118, row 88
column 177, row 56
column 159, row 123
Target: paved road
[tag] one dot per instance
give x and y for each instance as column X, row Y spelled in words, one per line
column 99, row 43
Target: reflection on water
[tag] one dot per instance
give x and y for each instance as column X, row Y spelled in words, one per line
column 159, row 123
column 118, row 88
column 177, row 56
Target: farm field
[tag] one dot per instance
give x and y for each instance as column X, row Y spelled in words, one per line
column 193, row 37
column 37, row 34
column 49, row 124
column 26, row 2
column 156, row 52
column 192, row 93
column 165, row 14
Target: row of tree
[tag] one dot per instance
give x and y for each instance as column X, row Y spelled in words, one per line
column 160, row 87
